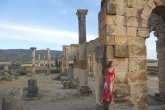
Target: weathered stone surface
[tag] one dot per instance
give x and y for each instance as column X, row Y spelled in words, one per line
column 84, row 90
column 160, row 49
column 162, row 85
column 132, row 12
column 107, row 40
column 12, row 99
column 137, row 51
column 137, row 76
column 158, row 2
column 116, row 30
column 161, row 63
column 114, row 7
column 141, row 106
column 121, row 90
column 131, row 31
column 121, row 40
column 143, row 32
column 138, row 87
column 121, row 51
column 151, row 4
column 32, row 88
column 162, row 91
column 109, row 52
column 121, row 64
column 121, row 77
column 136, row 41
column 99, row 73
column 161, row 75
column 137, row 3
column 122, row 105
column 119, row 20
column 133, row 21
column 161, row 56
column 160, row 43
column 114, row 40
column 139, row 98
column 136, row 64
column 144, row 23
column 145, row 15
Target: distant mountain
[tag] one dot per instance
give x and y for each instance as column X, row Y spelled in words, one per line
column 24, row 55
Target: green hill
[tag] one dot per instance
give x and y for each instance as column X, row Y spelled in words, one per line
column 24, row 55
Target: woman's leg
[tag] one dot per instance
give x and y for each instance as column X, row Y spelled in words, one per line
column 112, row 102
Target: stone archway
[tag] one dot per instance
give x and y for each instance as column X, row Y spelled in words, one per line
column 123, row 28
column 67, row 52
column 157, row 24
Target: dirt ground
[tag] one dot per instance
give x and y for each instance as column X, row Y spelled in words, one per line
column 52, row 96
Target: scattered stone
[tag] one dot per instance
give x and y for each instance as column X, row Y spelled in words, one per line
column 12, row 99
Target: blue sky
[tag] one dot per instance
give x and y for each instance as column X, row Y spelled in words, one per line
column 49, row 24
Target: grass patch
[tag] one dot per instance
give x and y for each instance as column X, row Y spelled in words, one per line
column 55, row 71
column 61, row 74
column 23, row 73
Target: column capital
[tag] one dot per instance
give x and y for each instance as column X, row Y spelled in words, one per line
column 32, row 48
column 81, row 13
column 47, row 48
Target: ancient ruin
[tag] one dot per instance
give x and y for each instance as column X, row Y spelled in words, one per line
column 48, row 62
column 32, row 89
column 12, row 99
column 33, row 60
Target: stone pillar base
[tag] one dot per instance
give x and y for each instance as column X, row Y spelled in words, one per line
column 84, row 90
column 32, row 95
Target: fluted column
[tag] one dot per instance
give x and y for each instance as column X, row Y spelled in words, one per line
column 38, row 60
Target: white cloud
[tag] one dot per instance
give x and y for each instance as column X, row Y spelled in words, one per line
column 150, row 47
column 30, row 34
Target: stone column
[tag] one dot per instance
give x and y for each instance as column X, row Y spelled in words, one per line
column 44, row 60
column 48, row 61
column 83, row 80
column 38, row 60
column 33, row 59
column 32, row 89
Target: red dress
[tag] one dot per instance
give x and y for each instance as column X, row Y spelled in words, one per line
column 108, row 85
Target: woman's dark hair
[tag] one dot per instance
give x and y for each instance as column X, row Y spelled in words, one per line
column 108, row 65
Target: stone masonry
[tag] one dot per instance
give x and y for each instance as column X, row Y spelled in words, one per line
column 124, row 26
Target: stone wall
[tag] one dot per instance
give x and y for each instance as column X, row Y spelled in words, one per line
column 67, row 52
column 91, row 56
column 123, row 28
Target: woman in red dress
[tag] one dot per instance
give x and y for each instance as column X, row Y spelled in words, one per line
column 109, row 83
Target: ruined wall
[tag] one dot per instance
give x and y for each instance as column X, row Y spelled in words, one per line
column 91, row 56
column 67, row 52
column 122, row 31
